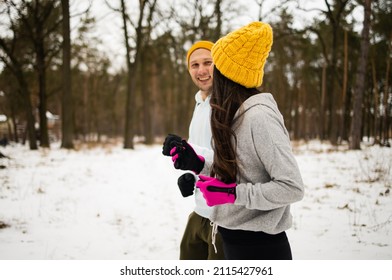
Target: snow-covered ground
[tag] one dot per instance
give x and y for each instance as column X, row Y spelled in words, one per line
column 104, row 202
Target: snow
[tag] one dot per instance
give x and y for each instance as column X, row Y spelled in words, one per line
column 101, row 202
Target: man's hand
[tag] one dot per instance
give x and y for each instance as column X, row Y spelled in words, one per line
column 170, row 141
column 186, row 183
column 185, row 157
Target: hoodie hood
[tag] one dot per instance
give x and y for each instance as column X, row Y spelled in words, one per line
column 263, row 99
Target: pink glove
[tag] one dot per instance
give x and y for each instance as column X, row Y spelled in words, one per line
column 216, row 192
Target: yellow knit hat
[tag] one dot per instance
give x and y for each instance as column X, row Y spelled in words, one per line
column 241, row 54
column 198, row 45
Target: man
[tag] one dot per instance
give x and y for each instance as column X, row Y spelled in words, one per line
column 197, row 242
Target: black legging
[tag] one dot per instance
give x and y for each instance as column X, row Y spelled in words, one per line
column 250, row 245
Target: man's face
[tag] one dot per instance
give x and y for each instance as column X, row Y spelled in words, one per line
column 201, row 68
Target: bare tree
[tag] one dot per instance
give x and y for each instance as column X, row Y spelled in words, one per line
column 387, row 106
column 41, row 23
column 356, row 126
column 67, row 104
column 274, row 9
column 218, row 13
column 334, row 12
column 132, row 69
column 12, row 62
column 15, row 62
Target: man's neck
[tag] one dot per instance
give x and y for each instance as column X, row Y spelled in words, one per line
column 204, row 94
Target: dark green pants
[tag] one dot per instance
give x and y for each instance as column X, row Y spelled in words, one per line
column 196, row 242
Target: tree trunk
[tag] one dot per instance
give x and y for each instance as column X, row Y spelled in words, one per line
column 17, row 70
column 323, row 108
column 333, row 107
column 130, row 103
column 28, row 108
column 385, row 123
column 342, row 105
column 356, row 126
column 376, row 97
column 146, row 97
column 39, row 34
column 218, row 13
column 67, row 127
column 13, row 121
column 42, row 108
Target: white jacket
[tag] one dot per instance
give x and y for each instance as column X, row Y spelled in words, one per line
column 200, row 138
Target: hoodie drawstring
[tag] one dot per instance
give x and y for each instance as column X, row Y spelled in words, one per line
column 214, row 232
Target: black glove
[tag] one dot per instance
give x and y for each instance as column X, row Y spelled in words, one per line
column 171, row 140
column 186, row 183
column 185, row 158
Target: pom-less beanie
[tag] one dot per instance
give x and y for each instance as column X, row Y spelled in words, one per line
column 198, row 45
column 241, row 54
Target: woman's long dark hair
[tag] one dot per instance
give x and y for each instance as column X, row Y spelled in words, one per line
column 226, row 98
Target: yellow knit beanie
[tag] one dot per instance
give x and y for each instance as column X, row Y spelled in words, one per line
column 241, row 54
column 198, row 45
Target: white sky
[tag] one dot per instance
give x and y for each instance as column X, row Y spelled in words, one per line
column 109, row 23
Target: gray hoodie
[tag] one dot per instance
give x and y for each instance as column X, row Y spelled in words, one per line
column 269, row 179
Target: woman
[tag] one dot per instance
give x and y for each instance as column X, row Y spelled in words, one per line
column 254, row 176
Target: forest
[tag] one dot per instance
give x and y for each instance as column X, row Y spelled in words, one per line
column 331, row 76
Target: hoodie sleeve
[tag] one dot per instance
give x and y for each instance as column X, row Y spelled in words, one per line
column 271, row 142
column 207, row 167
column 207, row 153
